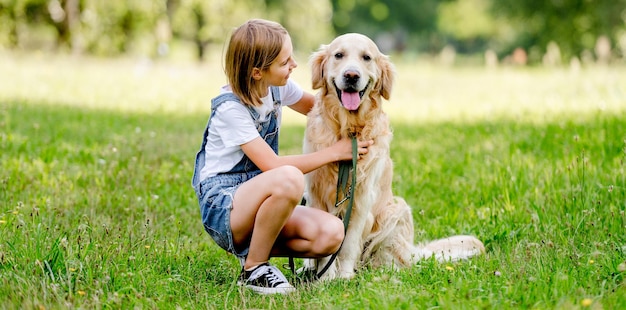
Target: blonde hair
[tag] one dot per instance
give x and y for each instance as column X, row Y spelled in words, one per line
column 255, row 44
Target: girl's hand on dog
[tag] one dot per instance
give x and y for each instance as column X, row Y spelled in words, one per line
column 344, row 148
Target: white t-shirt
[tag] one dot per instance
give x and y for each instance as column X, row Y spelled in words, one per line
column 232, row 125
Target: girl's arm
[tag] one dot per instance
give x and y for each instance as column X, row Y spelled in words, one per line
column 264, row 157
column 304, row 105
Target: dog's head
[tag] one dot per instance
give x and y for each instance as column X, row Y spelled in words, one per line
column 353, row 68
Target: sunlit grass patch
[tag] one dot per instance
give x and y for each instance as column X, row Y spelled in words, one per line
column 421, row 93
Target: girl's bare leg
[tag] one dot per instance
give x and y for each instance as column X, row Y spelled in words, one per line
column 261, row 207
column 264, row 212
column 310, row 233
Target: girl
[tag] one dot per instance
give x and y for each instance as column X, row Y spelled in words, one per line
column 249, row 195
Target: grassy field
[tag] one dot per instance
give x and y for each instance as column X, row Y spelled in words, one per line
column 97, row 211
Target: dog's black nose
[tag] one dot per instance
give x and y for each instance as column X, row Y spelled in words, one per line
column 351, row 77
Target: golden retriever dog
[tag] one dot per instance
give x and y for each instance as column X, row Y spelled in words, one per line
column 353, row 77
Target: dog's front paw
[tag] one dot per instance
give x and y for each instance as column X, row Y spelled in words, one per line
column 347, row 274
column 337, row 272
column 331, row 273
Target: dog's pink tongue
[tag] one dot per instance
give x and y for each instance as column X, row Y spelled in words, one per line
column 350, row 101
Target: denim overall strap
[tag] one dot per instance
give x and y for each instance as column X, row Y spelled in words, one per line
column 268, row 130
column 200, row 156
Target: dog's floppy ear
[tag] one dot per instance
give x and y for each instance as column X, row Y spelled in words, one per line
column 318, row 59
column 387, row 76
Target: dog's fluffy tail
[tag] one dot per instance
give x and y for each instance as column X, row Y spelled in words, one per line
column 450, row 249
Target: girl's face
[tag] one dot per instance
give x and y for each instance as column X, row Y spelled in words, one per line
column 279, row 70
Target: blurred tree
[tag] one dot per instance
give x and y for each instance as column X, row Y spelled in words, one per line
column 17, row 14
column 308, row 21
column 100, row 27
column 206, row 22
column 391, row 22
column 8, row 24
column 149, row 27
column 65, row 18
column 574, row 25
column 120, row 26
column 467, row 25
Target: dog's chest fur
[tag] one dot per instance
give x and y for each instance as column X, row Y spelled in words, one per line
column 371, row 169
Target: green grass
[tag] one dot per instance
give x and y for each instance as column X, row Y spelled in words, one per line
column 97, row 210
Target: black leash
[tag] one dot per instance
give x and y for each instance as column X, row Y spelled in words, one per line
column 342, row 184
column 345, row 167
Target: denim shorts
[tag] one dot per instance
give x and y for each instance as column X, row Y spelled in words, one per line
column 215, row 195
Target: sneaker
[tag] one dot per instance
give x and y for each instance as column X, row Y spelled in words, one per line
column 242, row 261
column 265, row 279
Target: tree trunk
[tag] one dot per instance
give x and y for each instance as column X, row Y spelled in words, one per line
column 72, row 24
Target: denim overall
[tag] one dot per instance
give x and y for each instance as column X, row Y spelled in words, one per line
column 215, row 194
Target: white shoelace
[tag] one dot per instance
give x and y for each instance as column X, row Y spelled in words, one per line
column 274, row 277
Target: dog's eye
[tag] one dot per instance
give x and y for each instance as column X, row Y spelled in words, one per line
column 367, row 57
column 338, row 55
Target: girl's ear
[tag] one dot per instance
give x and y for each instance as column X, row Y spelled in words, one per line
column 318, row 59
column 257, row 74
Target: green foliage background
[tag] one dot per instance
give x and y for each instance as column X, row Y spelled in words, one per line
column 162, row 28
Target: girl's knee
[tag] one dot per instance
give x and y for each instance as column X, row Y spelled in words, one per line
column 332, row 234
column 290, row 182
column 291, row 173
